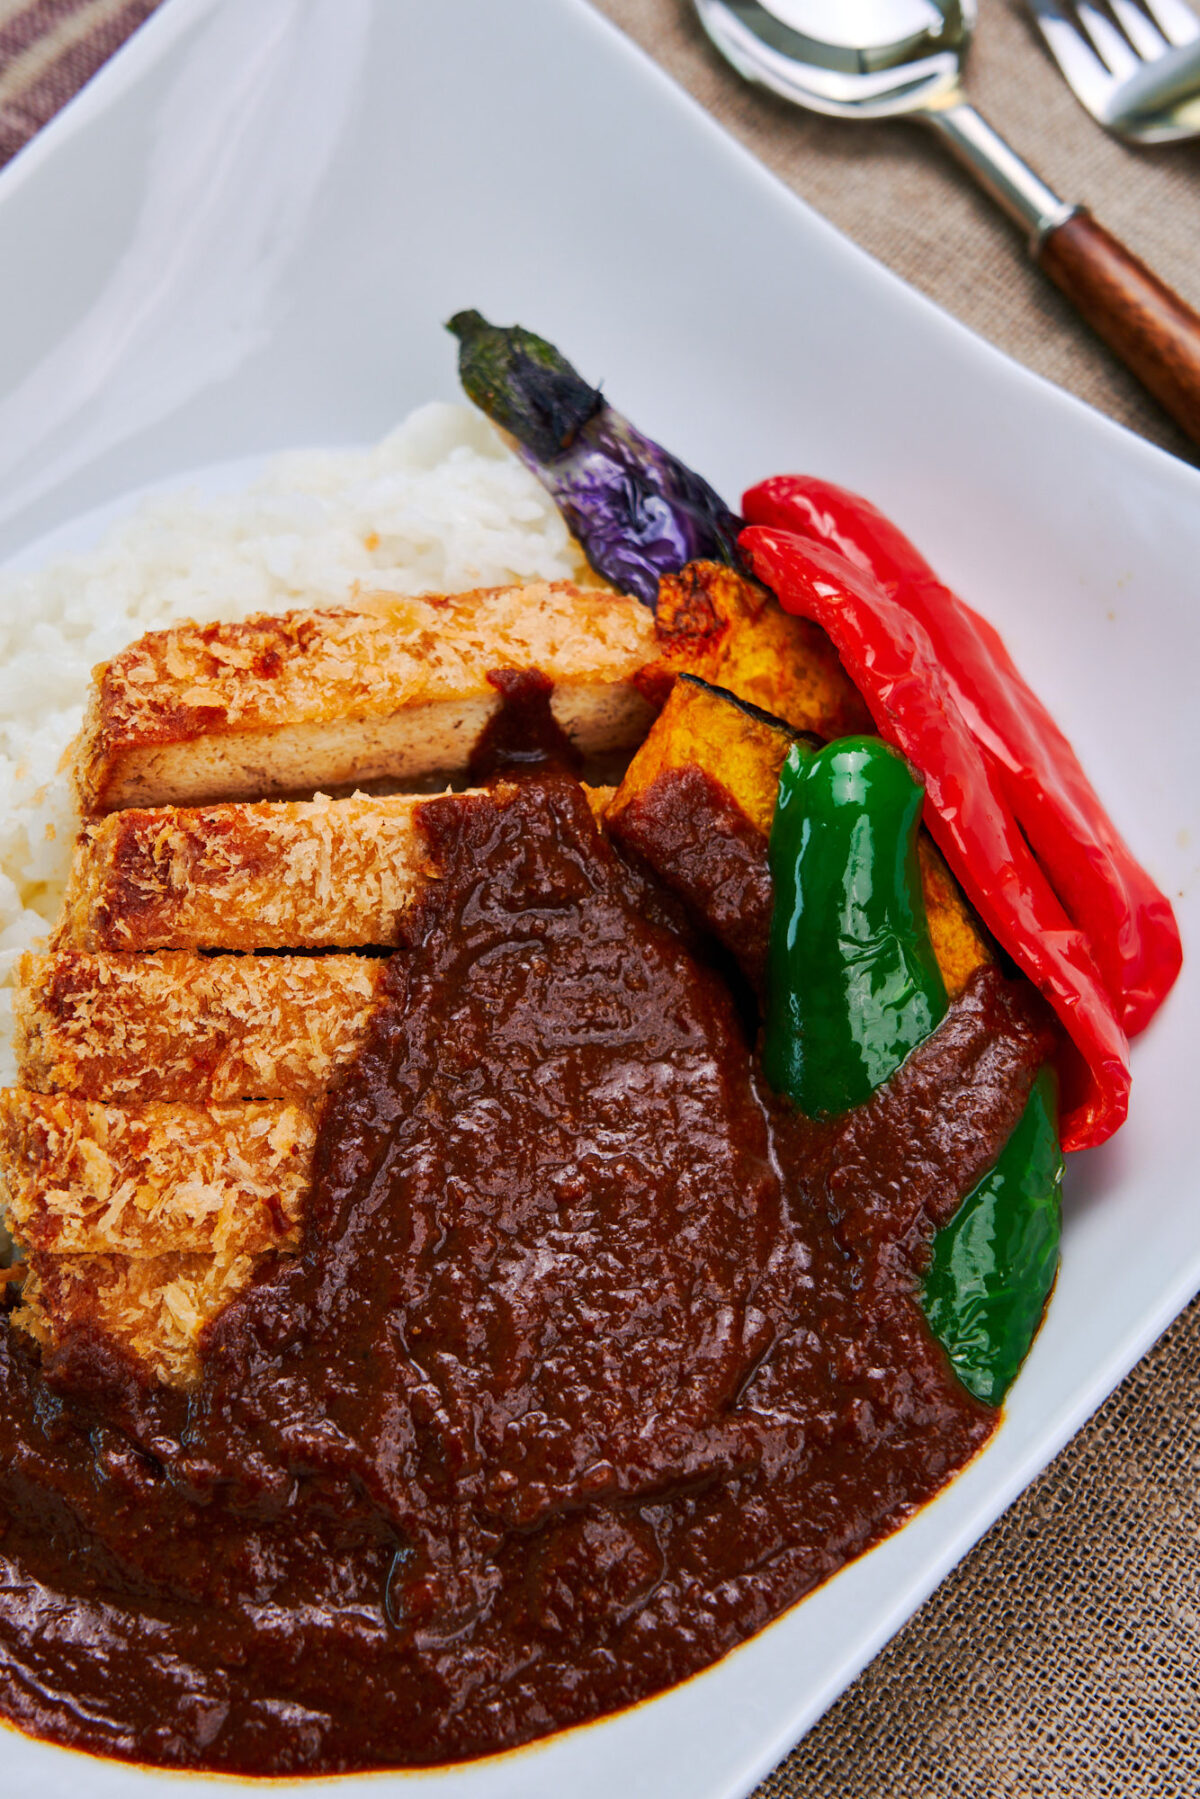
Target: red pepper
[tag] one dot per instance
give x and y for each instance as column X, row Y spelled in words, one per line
column 891, row 656
column 1127, row 921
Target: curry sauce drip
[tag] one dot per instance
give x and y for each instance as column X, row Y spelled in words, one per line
column 594, row 1357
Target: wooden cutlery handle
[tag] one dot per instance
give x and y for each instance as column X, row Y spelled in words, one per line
column 1151, row 329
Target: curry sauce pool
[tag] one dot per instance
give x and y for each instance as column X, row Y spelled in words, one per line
column 595, row 1357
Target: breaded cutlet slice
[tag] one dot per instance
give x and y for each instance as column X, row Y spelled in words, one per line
column 279, row 874
column 133, row 1028
column 83, row 1178
column 392, row 688
column 154, row 1309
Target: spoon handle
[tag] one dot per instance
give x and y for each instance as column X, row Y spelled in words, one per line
column 1147, row 324
column 1154, row 332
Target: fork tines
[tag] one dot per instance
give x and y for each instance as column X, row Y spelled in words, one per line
column 1100, row 44
column 1122, row 35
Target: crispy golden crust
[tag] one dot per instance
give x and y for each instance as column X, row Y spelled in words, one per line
column 154, row 1309
column 301, row 874
column 89, row 1179
column 143, row 1198
column 393, row 688
column 134, row 1028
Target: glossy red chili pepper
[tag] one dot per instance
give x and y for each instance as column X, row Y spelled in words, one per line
column 890, row 655
column 1127, row 921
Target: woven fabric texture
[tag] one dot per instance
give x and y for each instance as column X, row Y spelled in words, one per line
column 1062, row 1660
column 48, row 49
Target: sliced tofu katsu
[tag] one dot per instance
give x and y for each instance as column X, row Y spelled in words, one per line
column 91, row 1179
column 276, row 874
column 201, row 1029
column 161, row 1143
column 152, row 1309
column 394, row 689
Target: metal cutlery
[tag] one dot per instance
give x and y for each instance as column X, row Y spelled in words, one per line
column 1135, row 67
column 875, row 59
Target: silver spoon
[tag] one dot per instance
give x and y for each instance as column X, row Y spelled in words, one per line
column 879, row 59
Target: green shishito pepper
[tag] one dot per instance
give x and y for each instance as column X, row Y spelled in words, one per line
column 994, row 1263
column 853, row 987
column 853, row 984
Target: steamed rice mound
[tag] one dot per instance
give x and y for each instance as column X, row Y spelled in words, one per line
column 440, row 505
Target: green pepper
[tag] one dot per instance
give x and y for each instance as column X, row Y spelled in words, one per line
column 994, row 1263
column 853, row 987
column 853, row 984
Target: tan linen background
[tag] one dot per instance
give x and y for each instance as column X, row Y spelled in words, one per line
column 1062, row 1660
column 48, row 49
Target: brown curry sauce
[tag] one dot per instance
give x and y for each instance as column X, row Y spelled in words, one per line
column 594, row 1359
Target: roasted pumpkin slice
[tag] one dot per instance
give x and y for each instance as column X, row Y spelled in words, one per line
column 696, row 807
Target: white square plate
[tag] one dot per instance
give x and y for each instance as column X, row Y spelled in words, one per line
column 244, row 235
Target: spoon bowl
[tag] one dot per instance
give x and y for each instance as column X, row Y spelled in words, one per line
column 873, row 59
column 880, row 59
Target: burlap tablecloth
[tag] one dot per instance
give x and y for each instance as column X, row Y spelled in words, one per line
column 1062, row 1660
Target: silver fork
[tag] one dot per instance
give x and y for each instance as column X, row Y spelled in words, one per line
column 1135, row 66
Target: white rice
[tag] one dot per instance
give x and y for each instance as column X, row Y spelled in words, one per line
column 440, row 505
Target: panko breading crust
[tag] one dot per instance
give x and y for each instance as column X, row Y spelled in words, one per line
column 273, row 875
column 141, row 1197
column 155, row 1309
column 279, row 874
column 91, row 1179
column 394, row 688
column 143, row 1220
column 132, row 1028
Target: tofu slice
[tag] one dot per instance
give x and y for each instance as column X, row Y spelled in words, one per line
column 281, row 874
column 202, row 1029
column 153, row 1309
column 392, row 689
column 88, row 1179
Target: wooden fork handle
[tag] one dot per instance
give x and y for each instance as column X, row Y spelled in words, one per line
column 1152, row 330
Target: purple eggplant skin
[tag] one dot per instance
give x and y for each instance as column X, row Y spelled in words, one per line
column 638, row 512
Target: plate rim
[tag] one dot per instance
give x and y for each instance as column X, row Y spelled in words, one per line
column 146, row 46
